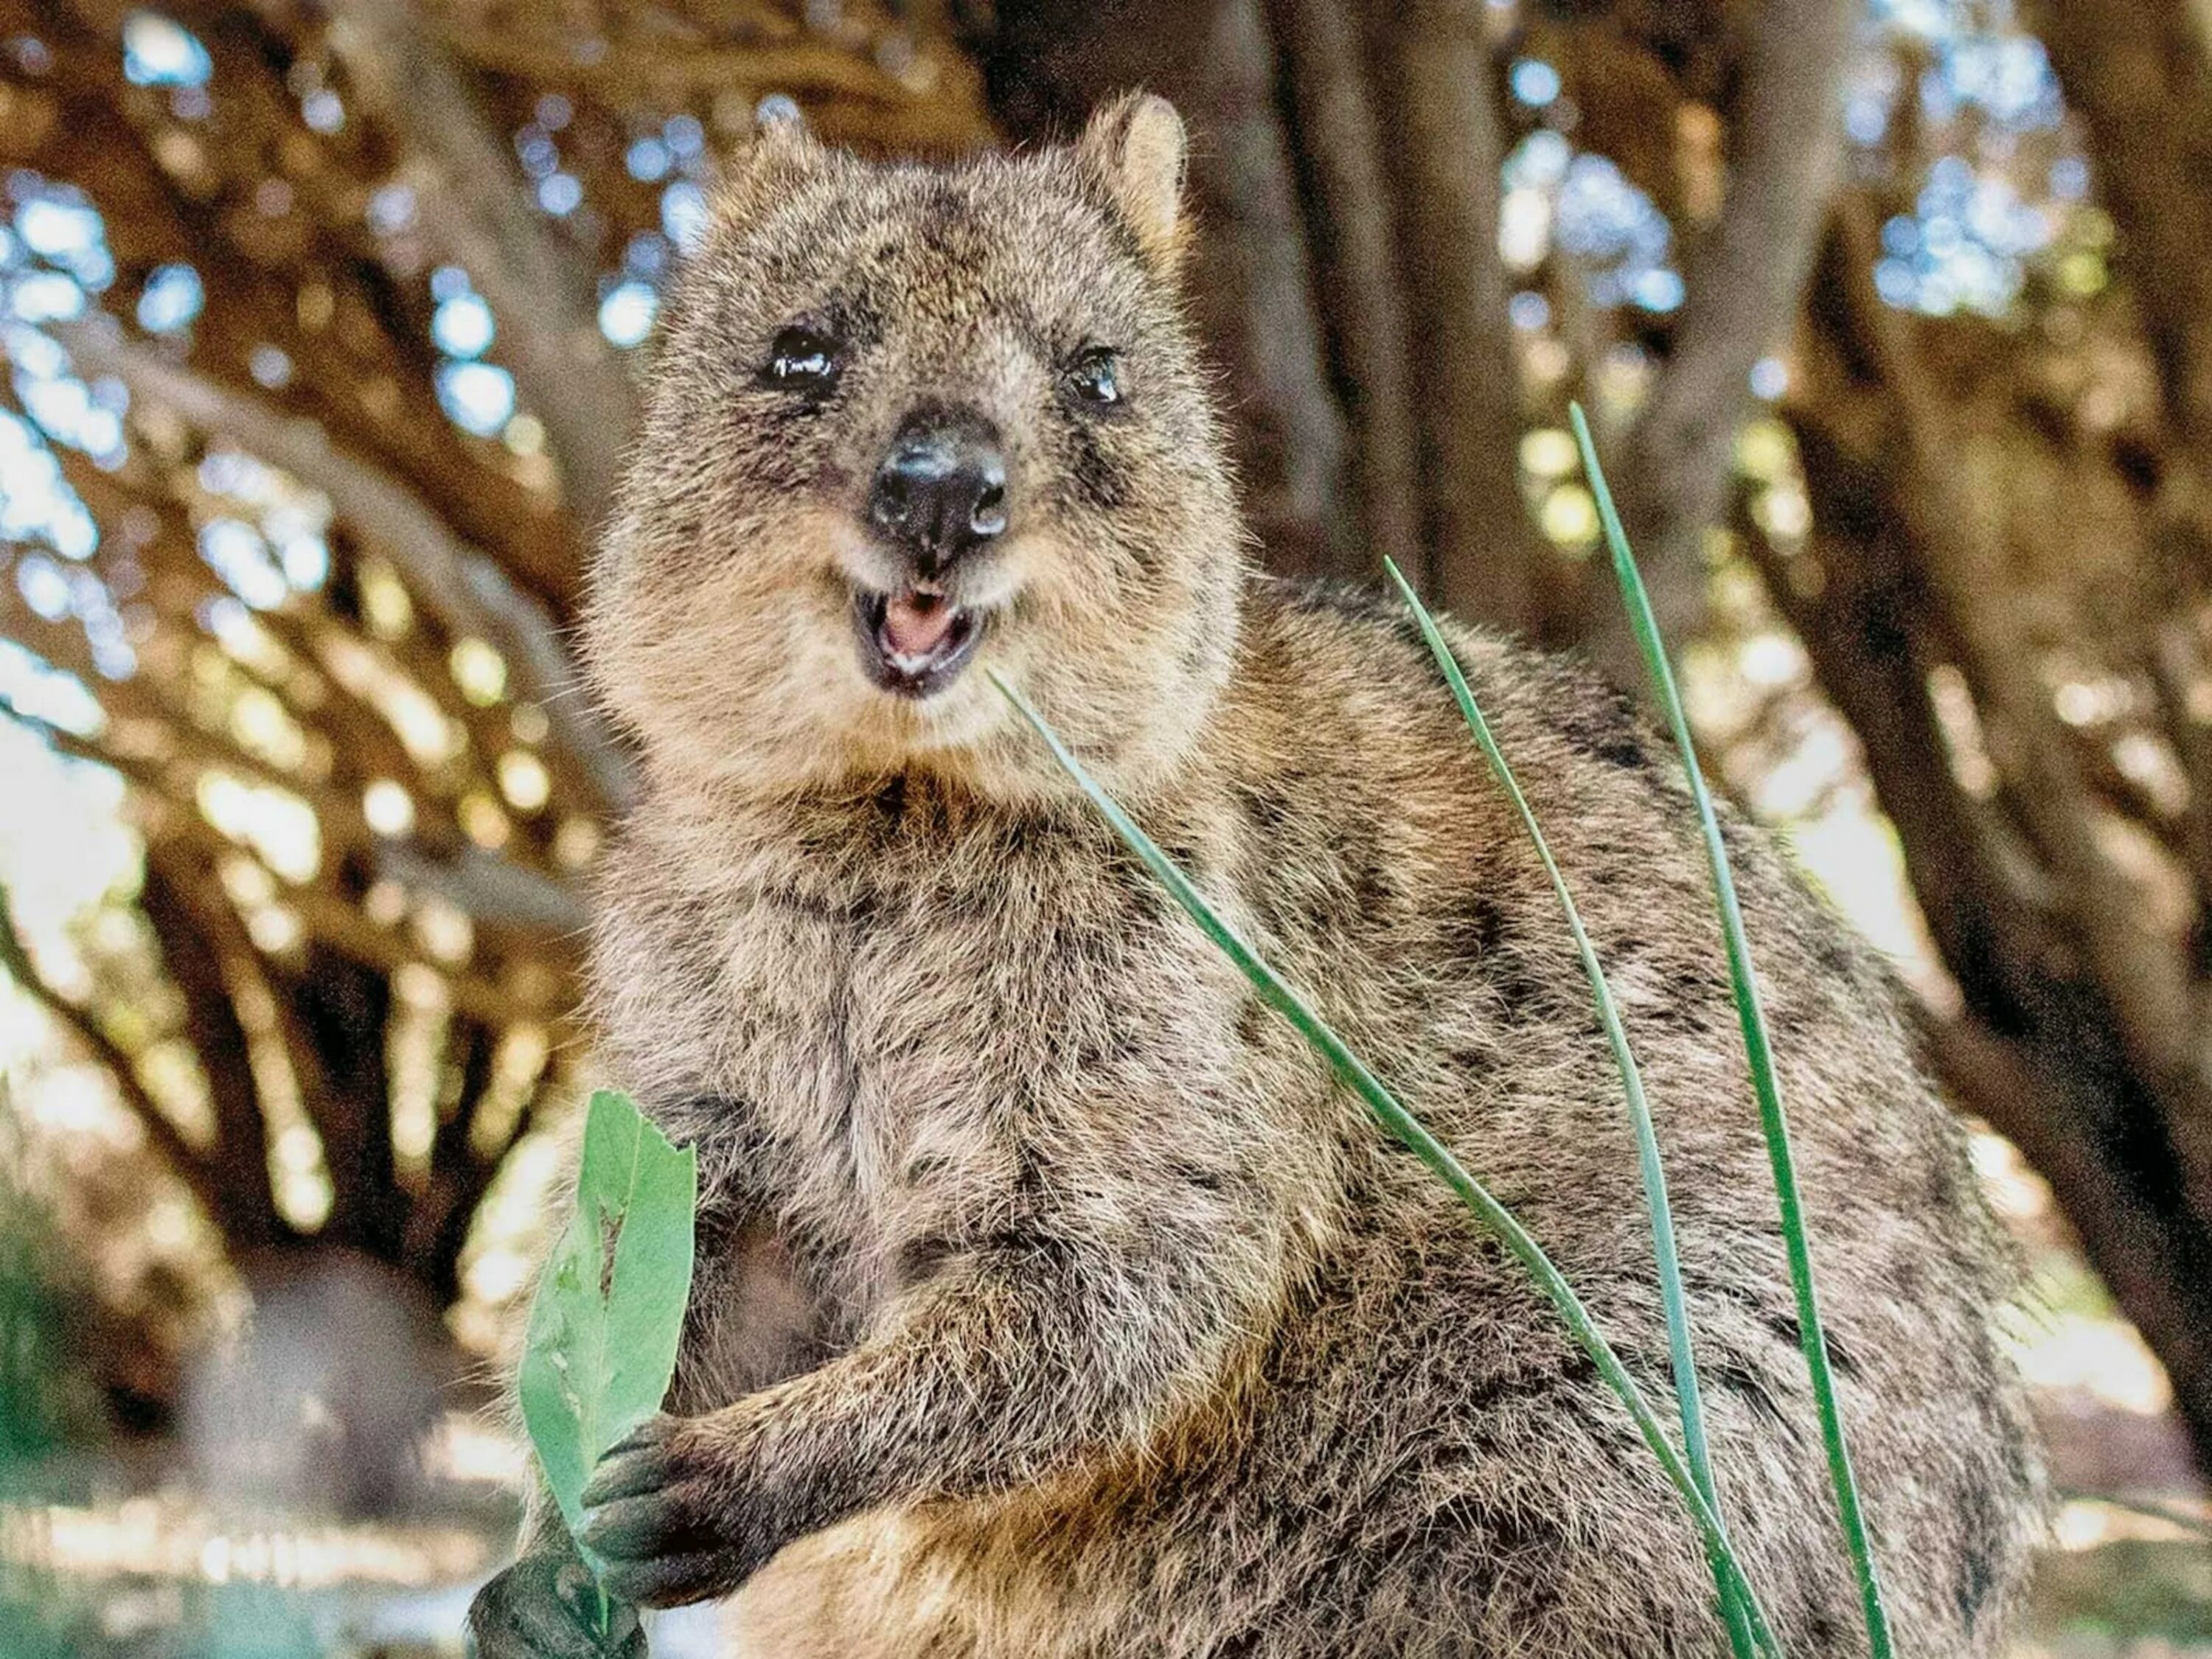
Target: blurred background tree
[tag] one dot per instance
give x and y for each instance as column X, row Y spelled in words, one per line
column 322, row 324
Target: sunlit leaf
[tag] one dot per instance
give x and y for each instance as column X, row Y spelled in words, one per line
column 604, row 1324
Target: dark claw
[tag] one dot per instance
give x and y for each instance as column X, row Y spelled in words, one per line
column 631, row 1528
column 675, row 1581
column 623, row 1474
column 637, row 1464
column 662, row 1522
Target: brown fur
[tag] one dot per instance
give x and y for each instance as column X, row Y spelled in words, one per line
column 1053, row 1301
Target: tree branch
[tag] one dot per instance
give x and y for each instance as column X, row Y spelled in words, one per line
column 341, row 925
column 337, row 1014
column 803, row 69
column 2152, row 1267
column 438, row 1223
column 479, row 209
column 1743, row 278
column 367, row 373
column 1258, row 295
column 489, row 889
column 179, row 1153
column 467, row 589
column 2140, row 76
column 2148, row 993
column 2138, row 73
column 240, row 1163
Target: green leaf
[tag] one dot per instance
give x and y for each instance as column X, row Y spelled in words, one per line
column 1352, row 1072
column 1751, row 1017
column 604, row 1331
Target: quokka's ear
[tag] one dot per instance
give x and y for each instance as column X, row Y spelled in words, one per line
column 1136, row 146
column 778, row 146
column 778, row 120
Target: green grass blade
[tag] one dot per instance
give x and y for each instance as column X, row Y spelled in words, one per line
column 1353, row 1071
column 1680, row 1349
column 1753, row 1018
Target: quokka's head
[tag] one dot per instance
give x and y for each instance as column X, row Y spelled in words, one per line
column 908, row 422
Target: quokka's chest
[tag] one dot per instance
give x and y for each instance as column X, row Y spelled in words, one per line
column 921, row 1030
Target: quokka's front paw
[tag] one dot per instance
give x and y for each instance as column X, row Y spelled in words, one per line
column 544, row 1607
column 667, row 1520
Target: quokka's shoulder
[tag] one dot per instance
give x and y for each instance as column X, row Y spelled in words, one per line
column 1350, row 661
column 1337, row 692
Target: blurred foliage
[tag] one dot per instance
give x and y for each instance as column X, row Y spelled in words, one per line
column 49, row 1397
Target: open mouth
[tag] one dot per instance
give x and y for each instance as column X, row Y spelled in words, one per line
column 916, row 642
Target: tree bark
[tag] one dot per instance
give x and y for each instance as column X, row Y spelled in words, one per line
column 245, row 1212
column 1365, row 309
column 2138, row 74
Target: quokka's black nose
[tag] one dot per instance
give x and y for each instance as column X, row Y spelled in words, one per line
column 941, row 489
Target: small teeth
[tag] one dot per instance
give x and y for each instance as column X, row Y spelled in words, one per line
column 915, row 672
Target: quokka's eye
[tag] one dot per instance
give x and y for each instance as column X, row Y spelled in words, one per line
column 800, row 360
column 1094, row 377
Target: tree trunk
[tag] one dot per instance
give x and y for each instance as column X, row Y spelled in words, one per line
column 2138, row 74
column 1743, row 279
column 2063, row 1042
column 1047, row 65
column 1437, row 91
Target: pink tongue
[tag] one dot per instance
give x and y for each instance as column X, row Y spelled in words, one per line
column 916, row 626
